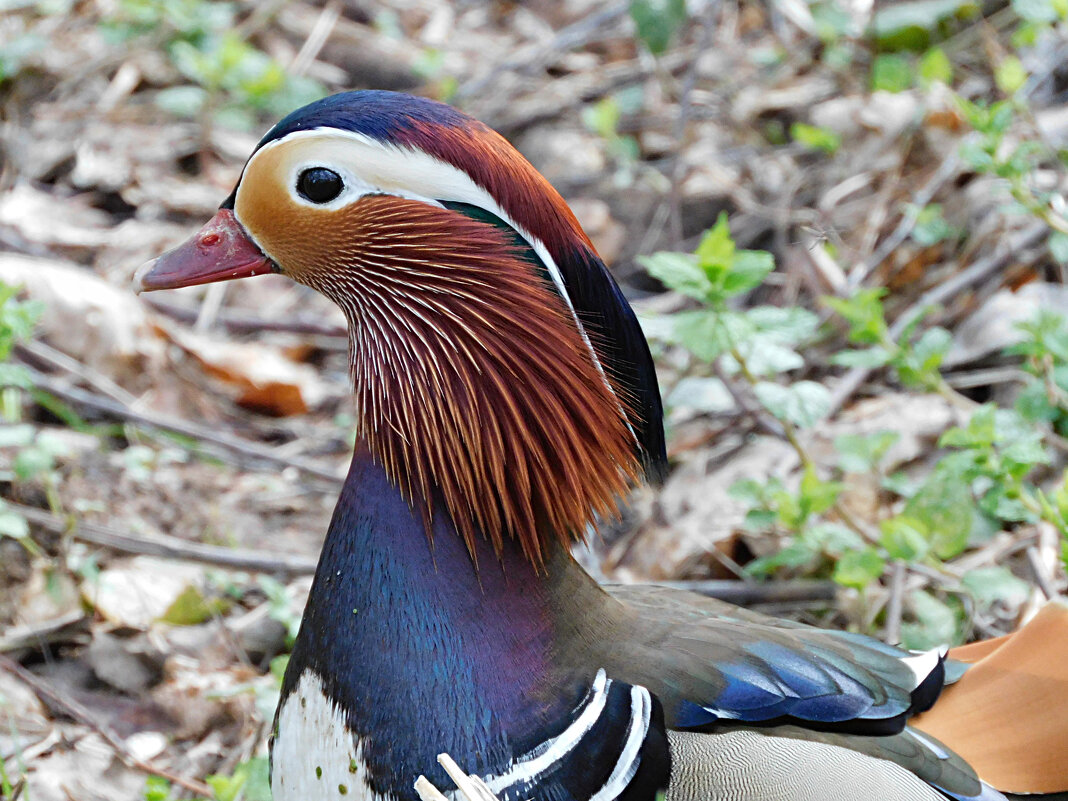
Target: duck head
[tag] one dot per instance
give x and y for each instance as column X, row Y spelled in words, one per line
column 496, row 365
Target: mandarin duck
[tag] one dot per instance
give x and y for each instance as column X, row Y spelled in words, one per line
column 506, row 399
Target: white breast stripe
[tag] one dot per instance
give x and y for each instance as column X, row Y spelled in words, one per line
column 529, row 766
column 641, row 708
column 923, row 663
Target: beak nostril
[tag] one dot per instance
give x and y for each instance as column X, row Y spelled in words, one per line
column 210, row 240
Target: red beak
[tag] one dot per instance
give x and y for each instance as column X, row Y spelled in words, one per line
column 220, row 251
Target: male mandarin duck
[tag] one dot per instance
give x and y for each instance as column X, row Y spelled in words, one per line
column 506, row 399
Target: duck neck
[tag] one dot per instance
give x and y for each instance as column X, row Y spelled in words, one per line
column 421, row 651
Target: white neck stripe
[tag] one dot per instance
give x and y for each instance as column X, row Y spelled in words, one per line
column 527, row 768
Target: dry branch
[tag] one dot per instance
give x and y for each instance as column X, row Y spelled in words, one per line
column 168, row 547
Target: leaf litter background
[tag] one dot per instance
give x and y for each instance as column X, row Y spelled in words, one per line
column 167, row 482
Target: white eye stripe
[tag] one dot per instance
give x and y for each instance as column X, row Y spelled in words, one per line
column 375, row 167
column 354, row 187
column 399, row 171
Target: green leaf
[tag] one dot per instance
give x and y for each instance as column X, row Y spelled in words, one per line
column 1024, row 453
column 815, row 137
column 904, row 538
column 919, row 362
column 33, row 461
column 833, row 538
column 1004, row 503
column 817, row 495
column 790, row 325
column 936, row 623
column 931, row 226
column 977, row 156
column 188, row 609
column 890, row 72
column 797, row 554
column 861, row 453
column 803, row 403
column 708, row 334
column 1010, row 75
column 764, row 357
column 701, row 394
column 12, row 524
column 995, row 584
column 182, row 101
column 157, row 789
column 1036, row 10
column 1058, row 247
column 748, row 270
column 656, row 21
column 681, row 272
column 871, row 358
column 943, row 507
column 716, row 248
column 760, row 519
column 979, row 433
column 258, row 785
column 749, row 490
column 864, row 313
column 935, row 67
column 858, row 569
column 701, row 333
column 16, row 435
column 15, row 375
column 603, row 118
column 892, row 18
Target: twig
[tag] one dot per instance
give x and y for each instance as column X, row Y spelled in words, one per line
column 243, row 323
column 79, row 713
column 567, row 38
column 166, row 546
column 1038, row 570
column 765, row 423
column 567, row 93
column 54, row 358
column 898, row 574
column 210, row 308
column 947, row 170
column 320, row 33
column 682, row 122
column 35, row 635
column 225, row 442
column 983, row 268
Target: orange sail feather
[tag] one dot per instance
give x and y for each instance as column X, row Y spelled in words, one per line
column 1008, row 715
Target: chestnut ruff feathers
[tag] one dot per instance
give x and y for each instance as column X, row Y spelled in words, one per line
column 472, row 383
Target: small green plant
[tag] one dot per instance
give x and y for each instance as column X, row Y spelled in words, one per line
column 603, row 119
column 250, row 781
column 816, row 138
column 981, row 483
column 17, row 319
column 231, row 80
column 657, row 21
column 281, row 609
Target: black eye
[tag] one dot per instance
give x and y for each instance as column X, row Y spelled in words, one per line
column 319, row 185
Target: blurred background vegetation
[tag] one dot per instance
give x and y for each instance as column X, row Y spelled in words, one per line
column 843, row 223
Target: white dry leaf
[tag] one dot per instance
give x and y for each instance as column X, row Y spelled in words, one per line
column 994, row 326
column 33, row 214
column 264, row 378
column 139, row 591
column 87, row 318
